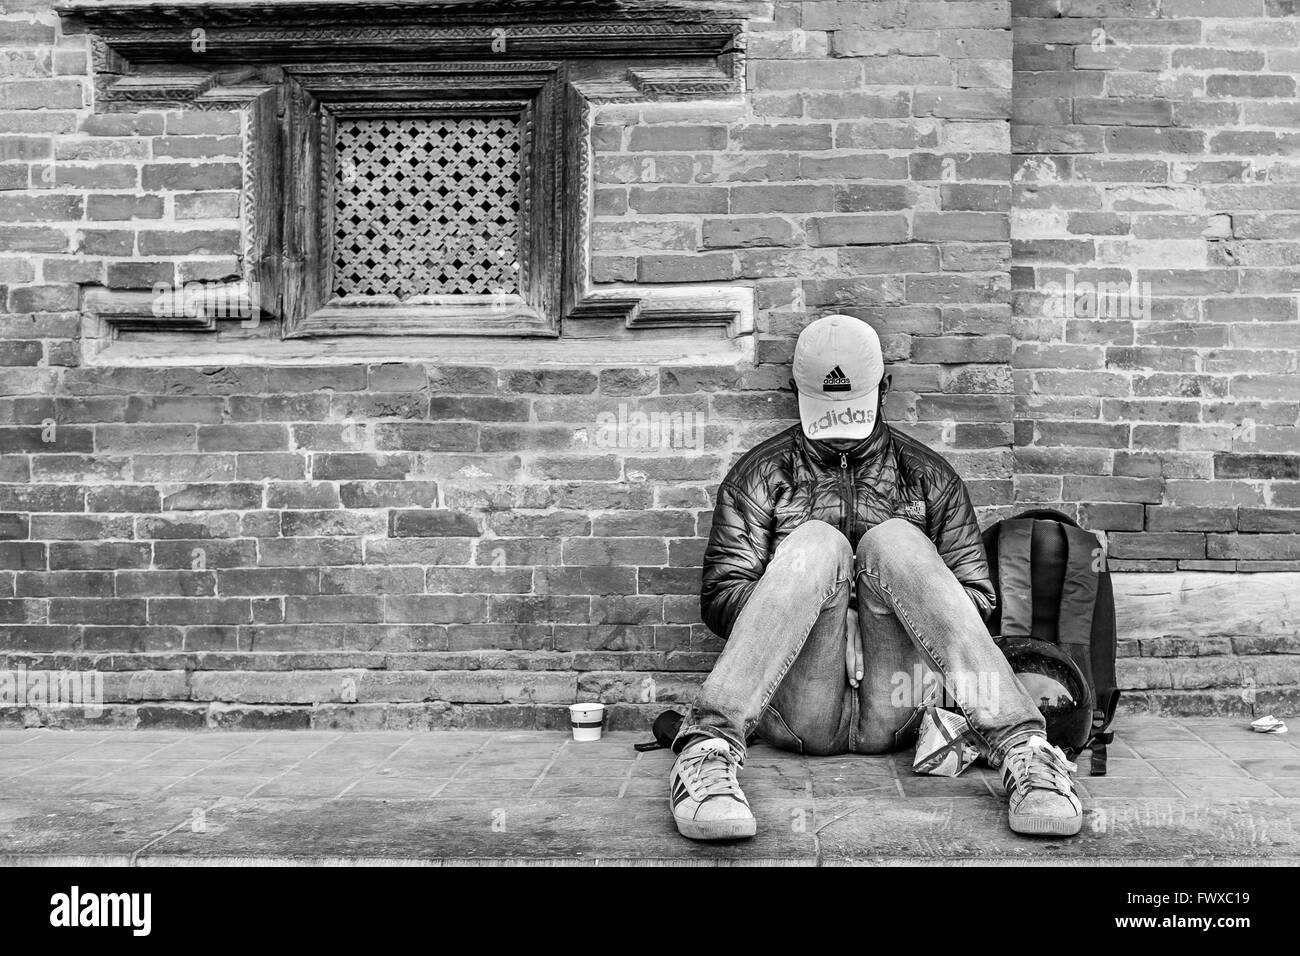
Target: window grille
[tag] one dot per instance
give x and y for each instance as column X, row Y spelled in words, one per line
column 427, row 206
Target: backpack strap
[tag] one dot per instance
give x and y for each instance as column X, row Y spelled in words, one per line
column 1078, row 608
column 1079, row 589
column 1049, row 514
column 1104, row 650
column 1096, row 757
column 1015, row 581
column 1101, row 734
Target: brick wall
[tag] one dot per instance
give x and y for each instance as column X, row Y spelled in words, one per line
column 393, row 542
column 1156, row 148
column 365, row 544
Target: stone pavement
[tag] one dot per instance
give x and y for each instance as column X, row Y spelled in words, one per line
column 1192, row 790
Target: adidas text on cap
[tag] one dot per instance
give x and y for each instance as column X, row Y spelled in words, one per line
column 837, row 371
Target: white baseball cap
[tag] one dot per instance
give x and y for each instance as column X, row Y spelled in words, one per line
column 837, row 371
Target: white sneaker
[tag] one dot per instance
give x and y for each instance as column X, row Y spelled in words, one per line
column 706, row 799
column 1040, row 792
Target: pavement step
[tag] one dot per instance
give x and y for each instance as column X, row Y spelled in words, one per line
column 1243, row 699
column 1180, row 791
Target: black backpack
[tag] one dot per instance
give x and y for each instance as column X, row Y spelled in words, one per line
column 1053, row 585
column 665, row 730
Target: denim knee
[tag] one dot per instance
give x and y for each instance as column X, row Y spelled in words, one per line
column 896, row 544
column 889, row 535
column 815, row 548
column 892, row 541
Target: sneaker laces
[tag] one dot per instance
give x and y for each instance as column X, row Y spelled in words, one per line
column 1037, row 765
column 709, row 771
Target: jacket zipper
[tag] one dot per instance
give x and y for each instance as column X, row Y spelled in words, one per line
column 846, row 478
column 846, row 525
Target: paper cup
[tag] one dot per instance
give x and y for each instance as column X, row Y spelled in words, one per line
column 588, row 720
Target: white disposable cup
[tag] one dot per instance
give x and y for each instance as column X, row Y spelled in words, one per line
column 588, row 720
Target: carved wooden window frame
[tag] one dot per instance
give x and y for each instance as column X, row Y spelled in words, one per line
column 319, row 96
column 258, row 51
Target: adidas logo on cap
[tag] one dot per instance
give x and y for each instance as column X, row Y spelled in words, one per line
column 836, row 381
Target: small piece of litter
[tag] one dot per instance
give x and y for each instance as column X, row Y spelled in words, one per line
column 944, row 743
column 1268, row 725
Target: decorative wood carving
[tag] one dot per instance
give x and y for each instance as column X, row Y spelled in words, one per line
column 260, row 219
column 158, row 89
column 293, row 65
column 270, row 31
column 634, row 306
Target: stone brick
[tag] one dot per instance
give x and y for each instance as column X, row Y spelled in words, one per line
column 436, row 608
column 425, row 523
column 961, row 349
column 746, row 232
column 1227, row 465
column 614, row 551
column 1170, row 518
column 1156, row 545
column 186, row 176
column 677, row 138
column 703, row 268
column 549, row 382
column 21, row 94
column 780, row 199
column 193, row 242
column 79, row 556
column 828, row 75
column 139, row 275
column 1264, row 546
column 678, row 199
column 783, row 136
column 1267, row 520
column 1252, row 85
column 1106, row 516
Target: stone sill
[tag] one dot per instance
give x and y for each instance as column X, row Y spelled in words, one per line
column 675, row 325
column 647, row 347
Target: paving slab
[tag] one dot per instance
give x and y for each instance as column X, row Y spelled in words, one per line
column 1115, row 831
column 1194, row 792
column 61, row 829
column 539, row 830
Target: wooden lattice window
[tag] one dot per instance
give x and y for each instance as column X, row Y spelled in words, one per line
column 429, row 201
column 300, row 72
column 426, row 206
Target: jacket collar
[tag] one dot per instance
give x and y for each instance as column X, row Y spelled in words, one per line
column 868, row 449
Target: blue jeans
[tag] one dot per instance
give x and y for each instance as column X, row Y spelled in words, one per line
column 783, row 670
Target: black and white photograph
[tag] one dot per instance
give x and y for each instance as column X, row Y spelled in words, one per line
column 650, row 433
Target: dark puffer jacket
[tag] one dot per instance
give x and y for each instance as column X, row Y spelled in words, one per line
column 787, row 480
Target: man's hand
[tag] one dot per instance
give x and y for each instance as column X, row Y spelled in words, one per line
column 853, row 649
